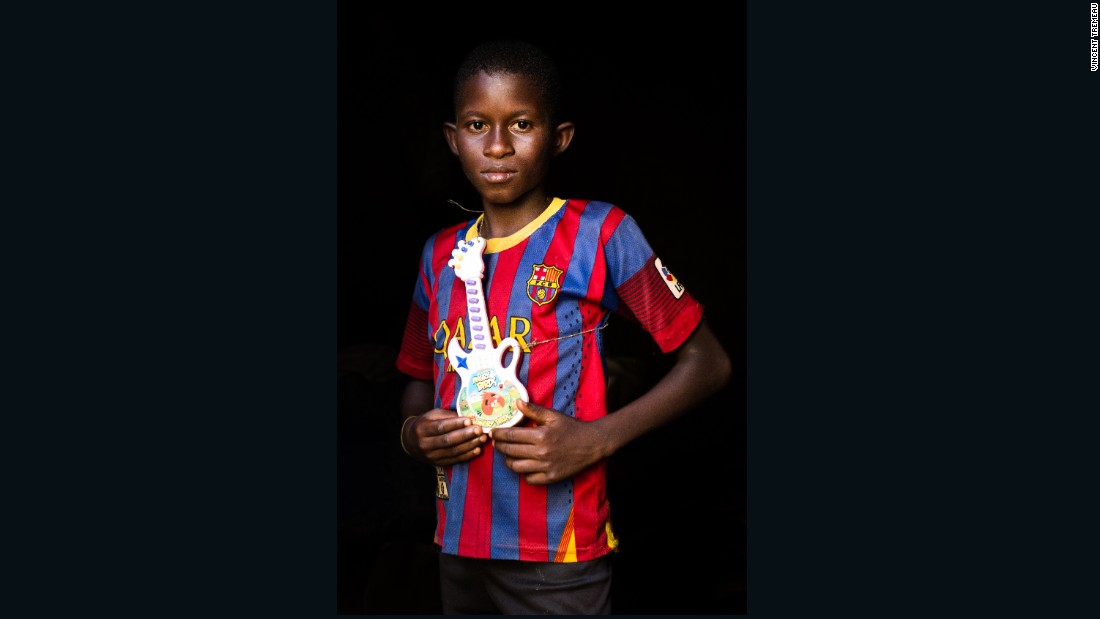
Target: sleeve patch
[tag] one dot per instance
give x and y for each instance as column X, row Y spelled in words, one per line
column 669, row 279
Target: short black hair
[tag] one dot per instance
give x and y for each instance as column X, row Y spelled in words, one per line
column 519, row 58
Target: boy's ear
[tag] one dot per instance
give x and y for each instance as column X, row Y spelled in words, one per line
column 563, row 135
column 449, row 130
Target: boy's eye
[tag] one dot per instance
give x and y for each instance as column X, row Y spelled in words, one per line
column 477, row 125
column 523, row 125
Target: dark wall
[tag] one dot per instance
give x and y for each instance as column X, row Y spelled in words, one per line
column 659, row 105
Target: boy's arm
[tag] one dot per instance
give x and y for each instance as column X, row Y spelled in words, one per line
column 560, row 446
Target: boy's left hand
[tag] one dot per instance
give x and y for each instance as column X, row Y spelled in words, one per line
column 557, row 448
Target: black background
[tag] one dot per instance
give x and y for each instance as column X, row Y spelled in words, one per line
column 660, row 132
column 921, row 325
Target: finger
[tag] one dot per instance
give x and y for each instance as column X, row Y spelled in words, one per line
column 514, row 435
column 533, row 411
column 469, row 455
column 464, row 451
column 539, row 479
column 525, row 466
column 441, row 413
column 456, row 439
column 518, row 450
column 441, row 427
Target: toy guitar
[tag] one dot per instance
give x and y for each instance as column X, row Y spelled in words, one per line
column 489, row 389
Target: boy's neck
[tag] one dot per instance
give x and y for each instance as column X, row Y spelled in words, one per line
column 505, row 220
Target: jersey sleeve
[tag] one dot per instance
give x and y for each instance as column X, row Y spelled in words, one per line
column 646, row 291
column 415, row 357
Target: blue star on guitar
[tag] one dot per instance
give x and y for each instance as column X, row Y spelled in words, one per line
column 462, row 362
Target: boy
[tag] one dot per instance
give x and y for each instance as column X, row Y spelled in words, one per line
column 523, row 519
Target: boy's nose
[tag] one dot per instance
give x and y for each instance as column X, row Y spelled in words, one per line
column 499, row 144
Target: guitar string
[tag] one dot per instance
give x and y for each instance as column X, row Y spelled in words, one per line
column 602, row 325
column 468, row 210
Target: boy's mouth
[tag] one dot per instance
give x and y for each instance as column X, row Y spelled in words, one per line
column 497, row 175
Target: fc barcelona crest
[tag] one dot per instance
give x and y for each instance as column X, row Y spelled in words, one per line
column 544, row 284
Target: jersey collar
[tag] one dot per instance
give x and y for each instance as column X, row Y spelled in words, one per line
column 493, row 246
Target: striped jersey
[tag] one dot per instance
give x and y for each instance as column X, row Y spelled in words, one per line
column 552, row 286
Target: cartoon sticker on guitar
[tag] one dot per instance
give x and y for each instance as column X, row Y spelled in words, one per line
column 490, row 389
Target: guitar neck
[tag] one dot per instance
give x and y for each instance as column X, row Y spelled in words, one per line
column 478, row 313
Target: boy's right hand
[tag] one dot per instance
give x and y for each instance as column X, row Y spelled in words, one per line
column 441, row 437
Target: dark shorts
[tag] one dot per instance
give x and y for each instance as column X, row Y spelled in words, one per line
column 498, row 586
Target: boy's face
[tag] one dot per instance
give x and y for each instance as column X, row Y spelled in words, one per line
column 503, row 137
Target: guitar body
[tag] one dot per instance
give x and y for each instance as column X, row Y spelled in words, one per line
column 489, row 389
